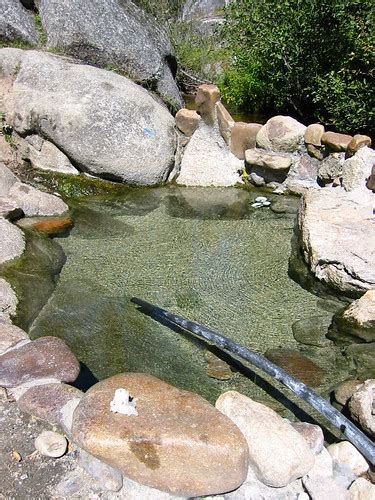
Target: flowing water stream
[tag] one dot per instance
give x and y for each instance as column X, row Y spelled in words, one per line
column 203, row 253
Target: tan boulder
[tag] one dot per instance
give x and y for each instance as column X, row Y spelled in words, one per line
column 281, row 133
column 345, row 390
column 278, row 453
column 207, row 97
column 314, row 151
column 244, row 138
column 178, row 442
column 187, row 121
column 225, row 121
column 362, row 489
column 313, row 134
column 336, row 142
column 358, row 141
column 346, row 454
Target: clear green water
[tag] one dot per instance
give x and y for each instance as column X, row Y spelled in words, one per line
column 202, row 253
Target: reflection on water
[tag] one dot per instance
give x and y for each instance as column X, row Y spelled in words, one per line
column 203, row 253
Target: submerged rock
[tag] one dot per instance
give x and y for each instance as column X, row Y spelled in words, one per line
column 108, row 126
column 297, row 365
column 178, row 442
column 313, row 331
column 269, row 437
column 47, row 357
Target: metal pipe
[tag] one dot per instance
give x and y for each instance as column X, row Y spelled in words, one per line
column 354, row 435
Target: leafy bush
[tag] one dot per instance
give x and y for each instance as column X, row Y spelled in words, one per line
column 310, row 58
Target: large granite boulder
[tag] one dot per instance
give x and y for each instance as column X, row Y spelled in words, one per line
column 337, row 238
column 178, row 442
column 116, row 34
column 278, row 453
column 103, row 122
column 16, row 23
column 357, row 169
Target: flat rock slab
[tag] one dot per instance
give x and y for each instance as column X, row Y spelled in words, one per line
column 47, row 357
column 336, row 233
column 278, row 453
column 35, row 202
column 51, row 402
column 178, row 442
column 297, row 365
column 12, row 242
column 10, row 336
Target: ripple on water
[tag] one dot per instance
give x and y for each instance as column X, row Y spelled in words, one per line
column 203, row 253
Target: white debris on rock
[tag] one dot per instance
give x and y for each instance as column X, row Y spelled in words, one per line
column 123, row 403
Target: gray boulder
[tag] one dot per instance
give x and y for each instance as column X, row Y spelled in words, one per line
column 337, row 238
column 12, row 242
column 8, row 302
column 204, row 14
column 103, row 122
column 35, row 202
column 116, row 34
column 16, row 23
column 7, row 179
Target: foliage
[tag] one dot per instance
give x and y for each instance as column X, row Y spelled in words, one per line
column 312, row 58
column 40, row 29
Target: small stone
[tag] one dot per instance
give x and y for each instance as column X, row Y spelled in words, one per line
column 331, row 168
column 362, row 404
column 107, row 477
column 226, row 122
column 313, row 435
column 10, row 336
column 207, row 97
column 243, row 137
column 345, row 453
column 313, row 134
column 358, row 141
column 50, row 402
column 315, row 152
column 187, row 121
column 371, row 180
column 268, row 436
column 336, row 142
column 46, row 357
column 362, row 489
column 297, row 365
column 324, row 488
column 346, row 390
column 217, row 368
column 256, row 179
column 54, row 226
column 51, row 444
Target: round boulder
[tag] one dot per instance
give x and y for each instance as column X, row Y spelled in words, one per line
column 281, row 133
column 178, row 442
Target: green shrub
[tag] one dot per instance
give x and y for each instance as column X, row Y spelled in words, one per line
column 311, row 58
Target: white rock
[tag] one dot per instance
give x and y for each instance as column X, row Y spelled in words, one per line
column 123, row 403
column 345, row 453
column 278, row 453
column 362, row 490
column 51, row 444
column 324, row 488
column 207, row 160
column 261, row 199
column 361, row 406
column 357, row 169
